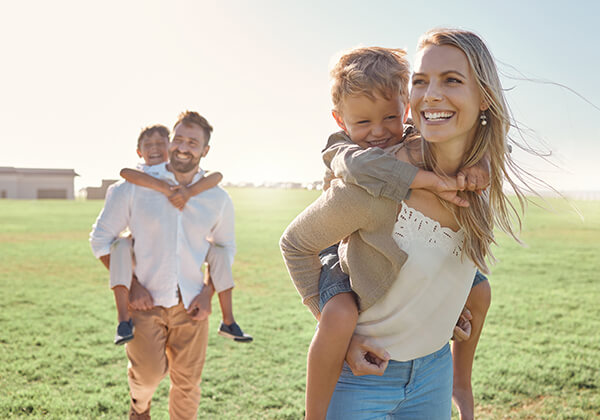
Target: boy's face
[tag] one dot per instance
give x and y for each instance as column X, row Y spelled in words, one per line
column 153, row 149
column 372, row 123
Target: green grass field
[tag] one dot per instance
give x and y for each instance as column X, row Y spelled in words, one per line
column 539, row 355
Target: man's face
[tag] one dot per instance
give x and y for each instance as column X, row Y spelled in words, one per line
column 374, row 122
column 153, row 149
column 187, row 147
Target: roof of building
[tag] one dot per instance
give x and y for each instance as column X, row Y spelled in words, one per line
column 37, row 171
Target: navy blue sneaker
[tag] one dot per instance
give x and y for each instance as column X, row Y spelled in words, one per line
column 124, row 332
column 234, row 332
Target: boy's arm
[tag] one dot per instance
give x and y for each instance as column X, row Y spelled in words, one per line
column 144, row 180
column 181, row 194
column 382, row 175
column 374, row 170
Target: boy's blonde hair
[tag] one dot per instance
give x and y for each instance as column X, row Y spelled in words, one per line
column 368, row 71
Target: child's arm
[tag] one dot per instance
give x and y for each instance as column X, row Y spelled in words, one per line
column 382, row 175
column 181, row 194
column 144, row 180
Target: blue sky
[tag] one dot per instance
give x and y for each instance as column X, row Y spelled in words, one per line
column 79, row 79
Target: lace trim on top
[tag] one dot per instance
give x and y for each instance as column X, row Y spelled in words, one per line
column 412, row 225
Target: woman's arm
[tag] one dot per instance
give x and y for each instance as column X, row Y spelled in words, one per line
column 341, row 210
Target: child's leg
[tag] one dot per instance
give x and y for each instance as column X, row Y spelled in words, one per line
column 226, row 304
column 121, row 271
column 463, row 352
column 122, row 302
column 327, row 352
column 339, row 314
column 219, row 272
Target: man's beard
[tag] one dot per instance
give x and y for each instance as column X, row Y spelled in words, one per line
column 183, row 167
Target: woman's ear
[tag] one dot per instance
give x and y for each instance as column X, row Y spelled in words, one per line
column 406, row 111
column 338, row 119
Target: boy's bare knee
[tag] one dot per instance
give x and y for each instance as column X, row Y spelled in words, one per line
column 480, row 298
column 340, row 313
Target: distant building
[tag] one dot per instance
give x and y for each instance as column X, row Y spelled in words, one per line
column 99, row 193
column 36, row 183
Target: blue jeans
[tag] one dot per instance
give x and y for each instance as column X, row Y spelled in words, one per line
column 415, row 390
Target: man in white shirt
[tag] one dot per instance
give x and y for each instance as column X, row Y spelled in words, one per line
column 170, row 302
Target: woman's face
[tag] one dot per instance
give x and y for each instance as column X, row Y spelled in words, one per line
column 445, row 99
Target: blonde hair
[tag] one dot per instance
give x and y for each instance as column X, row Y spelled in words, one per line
column 493, row 208
column 370, row 70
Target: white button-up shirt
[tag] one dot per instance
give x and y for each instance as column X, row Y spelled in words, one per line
column 170, row 245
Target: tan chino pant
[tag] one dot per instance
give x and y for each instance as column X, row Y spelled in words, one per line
column 167, row 340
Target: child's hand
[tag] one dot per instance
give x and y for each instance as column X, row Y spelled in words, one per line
column 327, row 178
column 447, row 188
column 179, row 196
column 462, row 330
column 475, row 178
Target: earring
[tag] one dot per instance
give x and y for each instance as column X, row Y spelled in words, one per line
column 483, row 118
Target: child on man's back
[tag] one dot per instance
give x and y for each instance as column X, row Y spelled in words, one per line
column 152, row 147
column 370, row 97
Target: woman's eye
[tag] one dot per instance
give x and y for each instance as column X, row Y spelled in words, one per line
column 453, row 80
column 418, row 82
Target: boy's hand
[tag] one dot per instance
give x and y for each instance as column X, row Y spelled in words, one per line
column 475, row 178
column 179, row 196
column 327, row 178
column 365, row 357
column 462, row 330
column 447, row 188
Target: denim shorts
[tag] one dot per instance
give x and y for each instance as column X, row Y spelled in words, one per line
column 416, row 389
column 332, row 280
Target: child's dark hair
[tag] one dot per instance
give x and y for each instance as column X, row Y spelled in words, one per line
column 148, row 131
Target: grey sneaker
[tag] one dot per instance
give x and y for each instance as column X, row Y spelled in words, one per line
column 234, row 332
column 124, row 332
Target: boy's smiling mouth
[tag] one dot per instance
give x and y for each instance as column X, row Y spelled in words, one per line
column 379, row 143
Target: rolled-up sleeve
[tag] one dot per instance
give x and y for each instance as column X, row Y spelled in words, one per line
column 373, row 169
column 113, row 219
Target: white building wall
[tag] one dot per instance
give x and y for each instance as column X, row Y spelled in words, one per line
column 29, row 185
column 8, row 184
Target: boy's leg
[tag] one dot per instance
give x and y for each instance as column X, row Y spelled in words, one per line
column 121, row 271
column 463, row 352
column 122, row 302
column 226, row 304
column 327, row 351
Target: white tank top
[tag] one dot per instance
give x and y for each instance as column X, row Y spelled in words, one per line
column 418, row 314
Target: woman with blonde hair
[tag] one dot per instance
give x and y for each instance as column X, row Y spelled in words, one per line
column 458, row 106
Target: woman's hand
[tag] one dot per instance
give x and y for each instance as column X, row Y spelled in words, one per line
column 365, row 357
